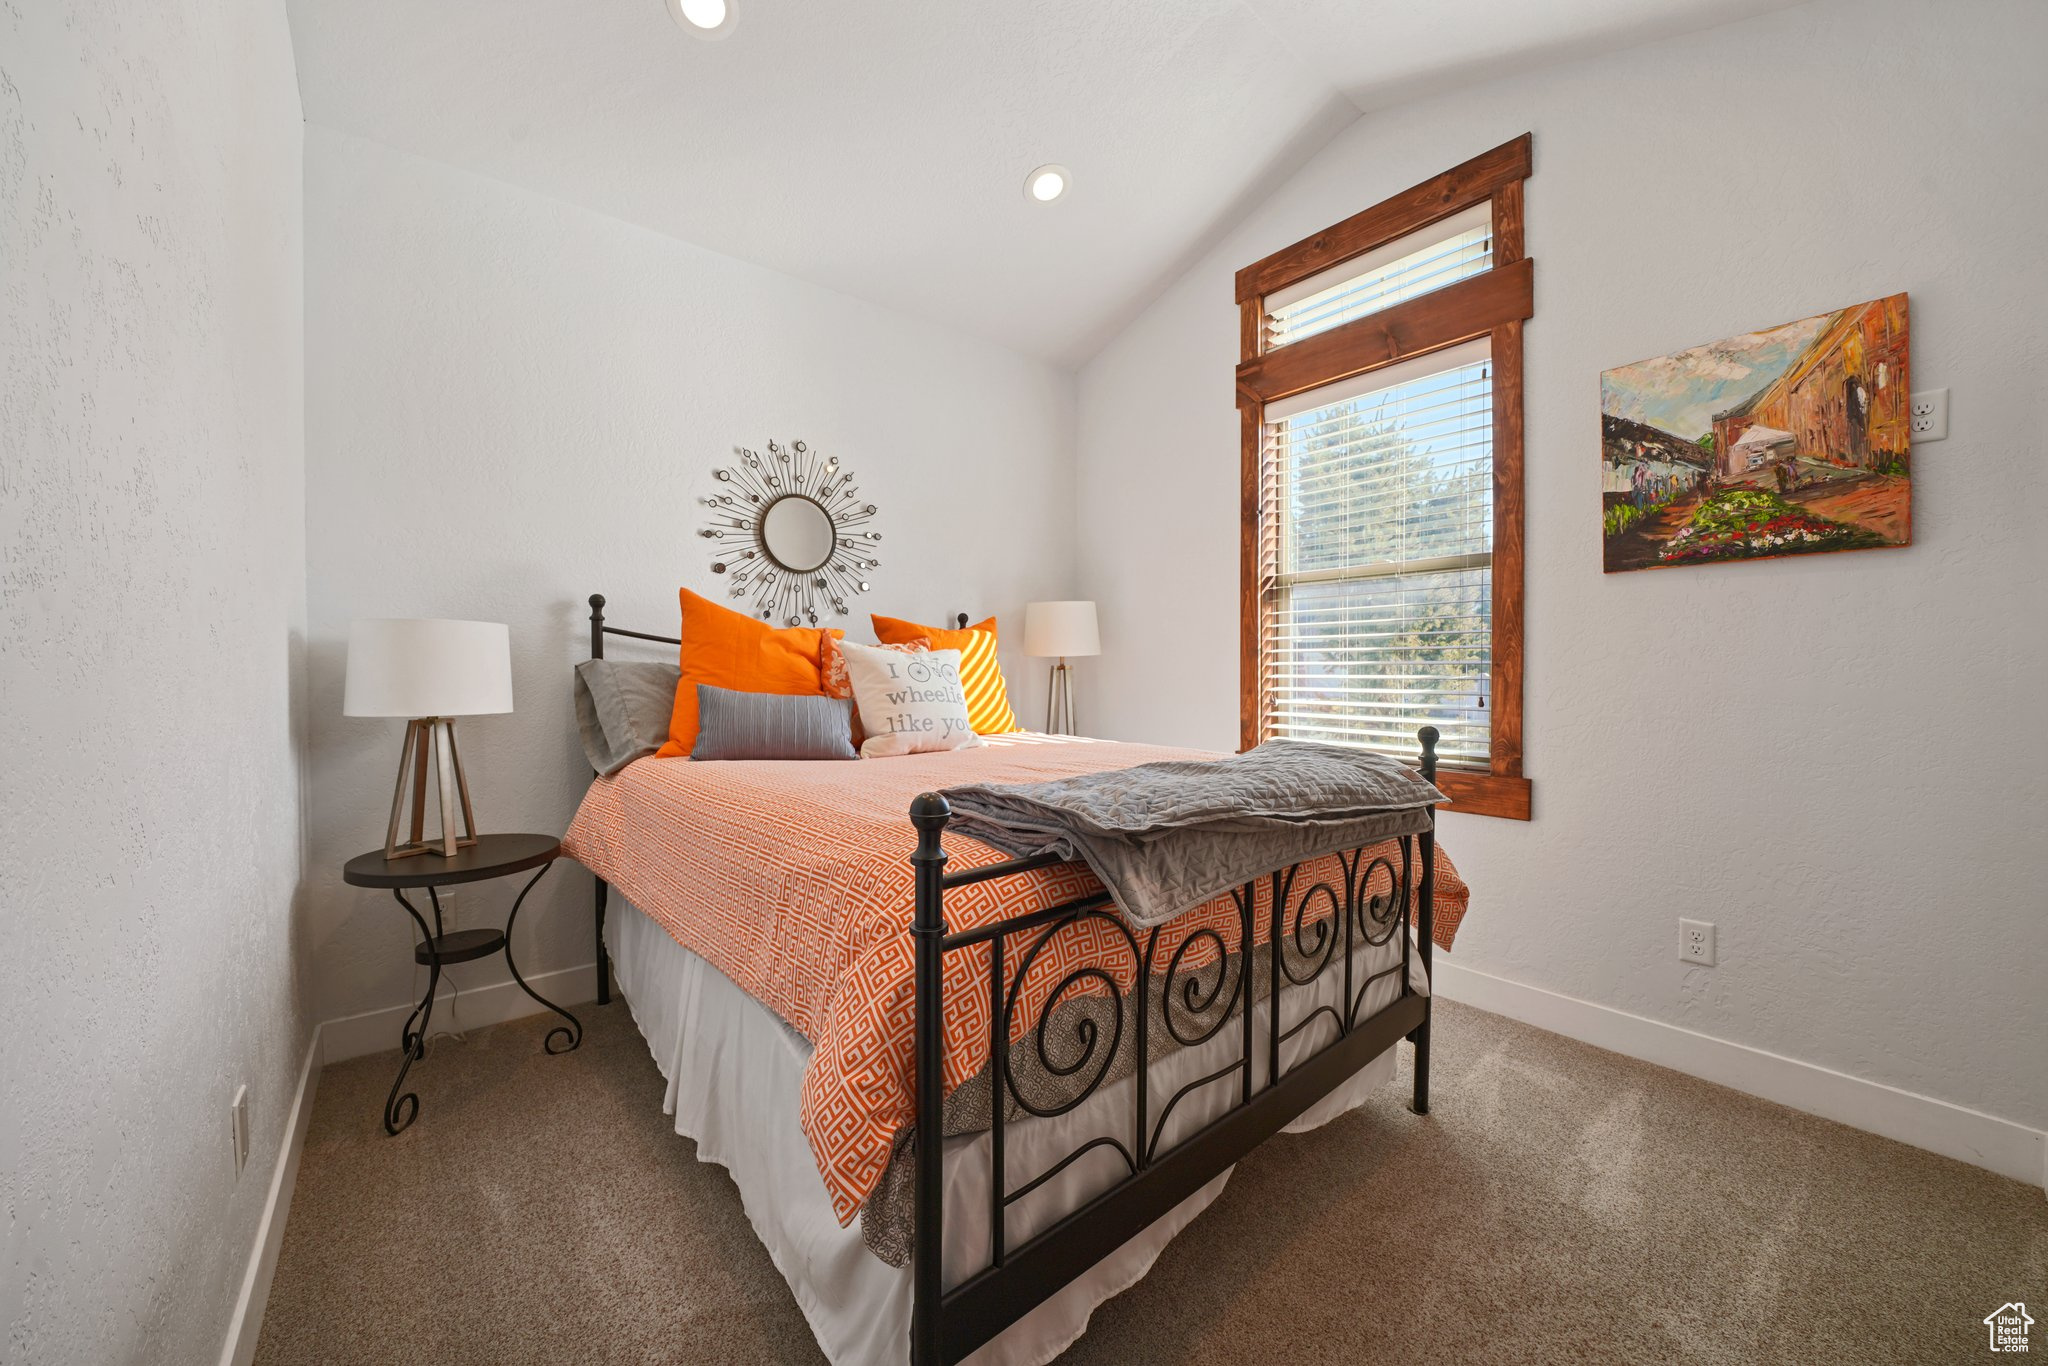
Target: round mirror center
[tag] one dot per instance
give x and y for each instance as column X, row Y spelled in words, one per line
column 797, row 533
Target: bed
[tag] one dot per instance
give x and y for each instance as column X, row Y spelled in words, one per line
column 822, row 992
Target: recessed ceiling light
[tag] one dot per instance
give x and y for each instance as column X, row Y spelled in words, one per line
column 705, row 18
column 1047, row 183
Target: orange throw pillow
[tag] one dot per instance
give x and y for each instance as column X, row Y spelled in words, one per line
column 988, row 697
column 729, row 649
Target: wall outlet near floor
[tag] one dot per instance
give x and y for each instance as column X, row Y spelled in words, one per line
column 1930, row 415
column 1696, row 941
column 238, row 1123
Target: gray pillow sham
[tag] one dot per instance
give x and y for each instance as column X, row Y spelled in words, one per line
column 761, row 725
column 623, row 709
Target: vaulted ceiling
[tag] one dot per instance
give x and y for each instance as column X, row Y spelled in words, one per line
column 880, row 147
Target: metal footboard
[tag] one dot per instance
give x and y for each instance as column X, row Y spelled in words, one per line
column 1314, row 924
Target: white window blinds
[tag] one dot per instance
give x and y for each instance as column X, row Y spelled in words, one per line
column 1442, row 254
column 1376, row 558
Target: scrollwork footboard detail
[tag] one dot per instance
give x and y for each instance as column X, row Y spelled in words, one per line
column 1060, row 1031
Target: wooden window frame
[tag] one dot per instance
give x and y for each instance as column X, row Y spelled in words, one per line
column 1494, row 305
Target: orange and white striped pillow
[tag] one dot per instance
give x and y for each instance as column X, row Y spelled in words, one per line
column 981, row 677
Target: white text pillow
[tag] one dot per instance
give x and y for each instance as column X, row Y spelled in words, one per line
column 910, row 701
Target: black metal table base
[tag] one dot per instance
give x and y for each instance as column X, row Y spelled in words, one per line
column 436, row 949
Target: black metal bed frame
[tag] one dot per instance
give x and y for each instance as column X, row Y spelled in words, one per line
column 1331, row 918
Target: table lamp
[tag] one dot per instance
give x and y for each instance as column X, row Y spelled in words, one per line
column 429, row 672
column 1061, row 630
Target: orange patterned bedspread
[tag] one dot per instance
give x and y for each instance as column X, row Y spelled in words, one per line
column 794, row 880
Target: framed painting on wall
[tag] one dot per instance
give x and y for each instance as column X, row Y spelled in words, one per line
column 1790, row 441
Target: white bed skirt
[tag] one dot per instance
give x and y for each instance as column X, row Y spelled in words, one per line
column 735, row 1077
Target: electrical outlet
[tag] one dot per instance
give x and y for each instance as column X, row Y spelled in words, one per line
column 1930, row 415
column 1696, row 941
column 238, row 1123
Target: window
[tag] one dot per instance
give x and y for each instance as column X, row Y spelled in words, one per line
column 1380, row 390
column 1382, row 565
column 1455, row 251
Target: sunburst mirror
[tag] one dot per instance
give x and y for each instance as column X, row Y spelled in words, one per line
column 791, row 526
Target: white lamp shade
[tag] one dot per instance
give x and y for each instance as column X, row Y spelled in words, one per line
column 1065, row 629
column 428, row 668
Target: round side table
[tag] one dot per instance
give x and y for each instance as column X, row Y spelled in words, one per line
column 491, row 856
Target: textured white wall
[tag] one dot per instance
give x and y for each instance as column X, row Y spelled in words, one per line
column 513, row 403
column 1839, row 759
column 152, row 597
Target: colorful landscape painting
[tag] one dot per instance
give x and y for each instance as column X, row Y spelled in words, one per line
column 1789, row 441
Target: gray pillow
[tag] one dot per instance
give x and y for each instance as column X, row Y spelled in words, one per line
column 765, row 725
column 623, row 709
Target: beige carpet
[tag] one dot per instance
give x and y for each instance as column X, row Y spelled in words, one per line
column 1560, row 1205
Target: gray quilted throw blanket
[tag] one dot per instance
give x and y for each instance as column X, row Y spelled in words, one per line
column 1166, row 837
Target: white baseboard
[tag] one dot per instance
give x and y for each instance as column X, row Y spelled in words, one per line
column 375, row 1031
column 1971, row 1136
column 352, row 1036
column 246, row 1325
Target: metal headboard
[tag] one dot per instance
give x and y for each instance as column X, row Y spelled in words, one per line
column 598, row 630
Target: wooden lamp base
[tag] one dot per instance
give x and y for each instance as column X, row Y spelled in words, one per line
column 1059, row 700
column 437, row 733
